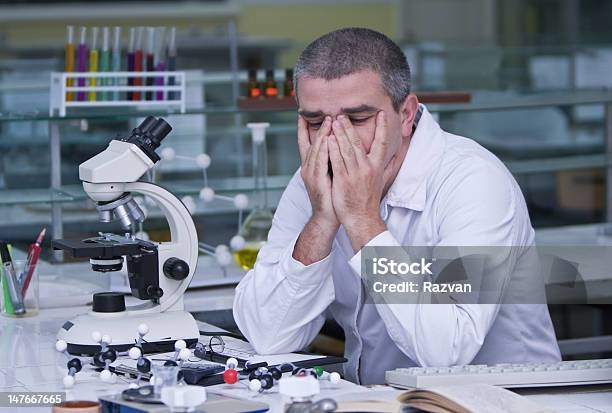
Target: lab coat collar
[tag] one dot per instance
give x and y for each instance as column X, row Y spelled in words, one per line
column 427, row 144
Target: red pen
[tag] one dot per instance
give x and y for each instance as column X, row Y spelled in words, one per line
column 33, row 254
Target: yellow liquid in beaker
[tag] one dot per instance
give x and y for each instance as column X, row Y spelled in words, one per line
column 246, row 257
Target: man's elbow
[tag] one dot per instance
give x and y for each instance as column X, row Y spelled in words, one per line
column 258, row 335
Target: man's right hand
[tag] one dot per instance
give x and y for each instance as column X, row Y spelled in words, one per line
column 314, row 154
column 316, row 239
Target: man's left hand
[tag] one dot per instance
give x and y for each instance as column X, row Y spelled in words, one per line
column 359, row 179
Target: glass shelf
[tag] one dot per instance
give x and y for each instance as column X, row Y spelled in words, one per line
column 75, row 193
column 494, row 101
column 34, row 196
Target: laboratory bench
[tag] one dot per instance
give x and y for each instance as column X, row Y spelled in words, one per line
column 29, row 362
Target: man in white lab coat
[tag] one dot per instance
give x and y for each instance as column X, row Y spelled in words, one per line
column 397, row 179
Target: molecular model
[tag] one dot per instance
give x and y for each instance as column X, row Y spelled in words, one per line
column 108, row 355
column 264, row 378
column 221, row 252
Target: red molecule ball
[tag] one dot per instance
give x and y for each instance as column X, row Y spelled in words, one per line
column 230, row 376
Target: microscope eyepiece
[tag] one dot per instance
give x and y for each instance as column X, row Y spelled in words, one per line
column 148, row 135
column 159, row 131
column 146, row 124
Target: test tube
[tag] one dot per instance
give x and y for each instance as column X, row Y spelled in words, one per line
column 116, row 60
column 150, row 60
column 93, row 61
column 130, row 60
column 171, row 60
column 138, row 61
column 160, row 60
column 105, row 61
column 69, row 64
column 82, row 61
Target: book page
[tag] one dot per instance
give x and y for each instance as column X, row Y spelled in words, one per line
column 476, row 398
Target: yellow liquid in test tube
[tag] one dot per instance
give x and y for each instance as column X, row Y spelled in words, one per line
column 93, row 67
column 245, row 258
column 69, row 68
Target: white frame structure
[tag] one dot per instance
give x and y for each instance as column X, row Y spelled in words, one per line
column 59, row 89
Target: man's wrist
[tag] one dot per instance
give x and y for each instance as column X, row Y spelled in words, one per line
column 328, row 227
column 315, row 241
column 362, row 231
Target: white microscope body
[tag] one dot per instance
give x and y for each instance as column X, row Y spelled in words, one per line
column 110, row 178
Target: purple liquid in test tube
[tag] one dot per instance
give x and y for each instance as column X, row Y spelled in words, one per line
column 159, row 80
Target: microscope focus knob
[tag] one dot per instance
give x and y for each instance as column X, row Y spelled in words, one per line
column 176, row 268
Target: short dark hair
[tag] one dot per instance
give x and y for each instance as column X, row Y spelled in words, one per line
column 353, row 49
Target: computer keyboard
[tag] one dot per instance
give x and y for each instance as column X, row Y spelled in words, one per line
column 564, row 373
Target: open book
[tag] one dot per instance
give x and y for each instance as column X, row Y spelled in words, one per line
column 468, row 398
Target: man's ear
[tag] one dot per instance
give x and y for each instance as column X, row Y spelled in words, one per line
column 408, row 111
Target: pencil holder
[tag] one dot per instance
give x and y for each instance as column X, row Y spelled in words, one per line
column 19, row 291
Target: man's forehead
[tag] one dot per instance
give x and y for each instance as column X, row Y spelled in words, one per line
column 362, row 108
column 361, row 91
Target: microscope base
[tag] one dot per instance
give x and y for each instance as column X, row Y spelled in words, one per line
column 164, row 329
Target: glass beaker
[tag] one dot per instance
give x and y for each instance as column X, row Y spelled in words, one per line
column 20, row 295
column 257, row 224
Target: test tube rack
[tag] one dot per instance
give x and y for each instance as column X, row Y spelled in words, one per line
column 59, row 90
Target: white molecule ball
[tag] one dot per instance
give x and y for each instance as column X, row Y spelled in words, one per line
column 143, row 235
column 237, row 242
column 221, row 248
column 143, row 329
column 207, row 194
column 334, row 378
column 184, row 354
column 231, row 363
column 189, row 203
column 68, row 381
column 254, row 385
column 180, row 344
column 134, row 353
column 133, row 386
column 106, row 376
column 241, row 201
column 113, row 378
column 107, row 339
column 61, row 346
column 203, row 160
column 168, row 154
column 224, row 258
column 96, row 336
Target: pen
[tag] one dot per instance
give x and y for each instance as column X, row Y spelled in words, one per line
column 31, row 262
column 11, row 278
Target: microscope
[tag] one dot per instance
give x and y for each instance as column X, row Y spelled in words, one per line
column 158, row 272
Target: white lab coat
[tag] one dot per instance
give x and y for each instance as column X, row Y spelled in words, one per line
column 449, row 191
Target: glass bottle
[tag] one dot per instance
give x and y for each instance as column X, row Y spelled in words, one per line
column 288, row 85
column 270, row 87
column 256, row 226
column 253, row 89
